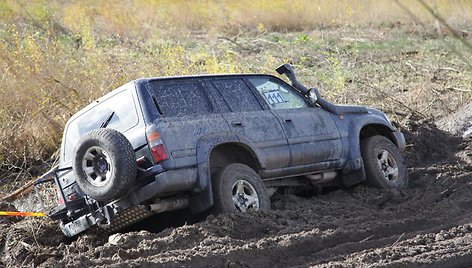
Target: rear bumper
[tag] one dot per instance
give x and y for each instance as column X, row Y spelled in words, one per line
column 172, row 181
column 165, row 183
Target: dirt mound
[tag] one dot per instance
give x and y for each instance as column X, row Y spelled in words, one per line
column 429, row 224
column 458, row 123
column 426, row 143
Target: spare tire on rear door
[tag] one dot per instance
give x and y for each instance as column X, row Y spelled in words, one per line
column 104, row 164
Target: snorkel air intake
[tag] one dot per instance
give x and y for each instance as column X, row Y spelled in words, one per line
column 290, row 73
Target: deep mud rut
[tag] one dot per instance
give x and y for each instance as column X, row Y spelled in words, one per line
column 429, row 224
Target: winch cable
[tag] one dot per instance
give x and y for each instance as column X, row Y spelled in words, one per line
column 22, row 214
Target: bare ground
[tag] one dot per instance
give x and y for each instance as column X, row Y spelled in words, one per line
column 427, row 225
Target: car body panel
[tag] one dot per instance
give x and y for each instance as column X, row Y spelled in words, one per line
column 312, row 135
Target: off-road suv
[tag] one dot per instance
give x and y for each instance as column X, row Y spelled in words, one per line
column 219, row 142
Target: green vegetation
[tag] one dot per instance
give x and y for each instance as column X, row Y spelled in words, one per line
column 57, row 56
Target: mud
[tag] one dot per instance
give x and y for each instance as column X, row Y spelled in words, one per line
column 428, row 224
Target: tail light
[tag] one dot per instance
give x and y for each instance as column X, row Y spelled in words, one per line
column 158, row 149
column 60, row 201
column 69, row 198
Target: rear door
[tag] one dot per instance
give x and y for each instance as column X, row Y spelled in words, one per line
column 187, row 112
column 311, row 132
column 247, row 117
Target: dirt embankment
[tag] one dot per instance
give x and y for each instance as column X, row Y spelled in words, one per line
column 429, row 224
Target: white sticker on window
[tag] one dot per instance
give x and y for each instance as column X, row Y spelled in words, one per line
column 274, row 97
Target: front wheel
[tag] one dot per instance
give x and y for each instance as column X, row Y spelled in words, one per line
column 237, row 187
column 383, row 163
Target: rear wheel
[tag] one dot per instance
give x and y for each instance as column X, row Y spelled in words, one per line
column 383, row 163
column 104, row 164
column 237, row 187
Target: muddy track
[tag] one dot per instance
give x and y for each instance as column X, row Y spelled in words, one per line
column 427, row 225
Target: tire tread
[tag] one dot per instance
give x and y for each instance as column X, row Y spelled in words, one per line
column 121, row 152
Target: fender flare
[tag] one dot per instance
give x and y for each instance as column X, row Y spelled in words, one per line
column 355, row 127
column 353, row 171
column 202, row 196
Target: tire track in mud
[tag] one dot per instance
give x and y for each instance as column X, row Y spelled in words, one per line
column 307, row 247
column 430, row 248
column 206, row 248
column 269, row 238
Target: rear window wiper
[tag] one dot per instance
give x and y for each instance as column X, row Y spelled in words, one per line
column 107, row 120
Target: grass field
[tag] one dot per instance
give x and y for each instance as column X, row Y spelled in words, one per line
column 57, row 56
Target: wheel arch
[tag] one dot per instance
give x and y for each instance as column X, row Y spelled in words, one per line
column 214, row 145
column 373, row 129
column 362, row 128
column 228, row 153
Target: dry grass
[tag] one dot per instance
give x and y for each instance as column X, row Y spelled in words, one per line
column 148, row 16
column 57, row 56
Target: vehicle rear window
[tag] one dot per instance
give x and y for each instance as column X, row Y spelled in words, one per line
column 124, row 117
column 237, row 95
column 180, row 98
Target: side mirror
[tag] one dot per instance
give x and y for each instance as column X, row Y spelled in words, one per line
column 313, row 95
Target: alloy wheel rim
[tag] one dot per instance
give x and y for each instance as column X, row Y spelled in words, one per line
column 96, row 165
column 388, row 165
column 244, row 196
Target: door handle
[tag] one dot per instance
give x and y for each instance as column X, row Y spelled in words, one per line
column 236, row 123
column 287, row 120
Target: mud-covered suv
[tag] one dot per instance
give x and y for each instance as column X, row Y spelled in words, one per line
column 219, row 142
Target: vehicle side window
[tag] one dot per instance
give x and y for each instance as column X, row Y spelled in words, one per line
column 180, row 98
column 276, row 94
column 237, row 95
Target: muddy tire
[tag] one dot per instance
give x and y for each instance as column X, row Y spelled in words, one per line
column 383, row 163
column 104, row 164
column 237, row 187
